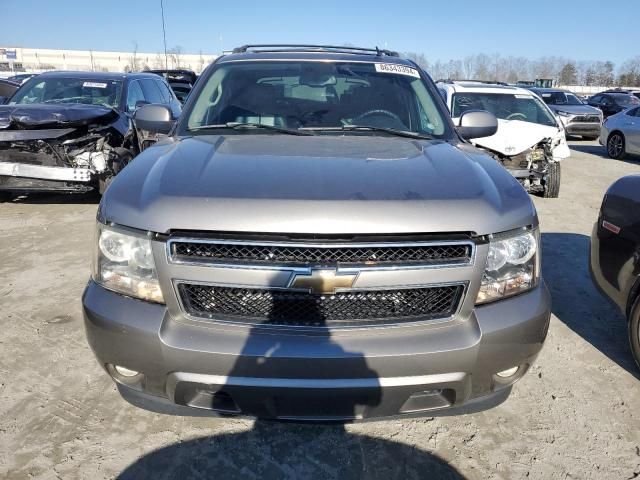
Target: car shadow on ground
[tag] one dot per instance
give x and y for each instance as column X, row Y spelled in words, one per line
column 56, row 198
column 599, row 151
column 576, row 301
column 287, row 450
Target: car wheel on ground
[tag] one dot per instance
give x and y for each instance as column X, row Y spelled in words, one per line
column 634, row 331
column 551, row 181
column 615, row 146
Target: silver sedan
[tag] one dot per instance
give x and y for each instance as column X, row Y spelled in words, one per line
column 620, row 133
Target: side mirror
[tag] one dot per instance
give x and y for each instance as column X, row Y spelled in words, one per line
column 154, row 119
column 477, row 124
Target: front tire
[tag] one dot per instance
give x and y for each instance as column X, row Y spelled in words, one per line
column 615, row 146
column 634, row 331
column 551, row 181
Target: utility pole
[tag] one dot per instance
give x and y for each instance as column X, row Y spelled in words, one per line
column 164, row 36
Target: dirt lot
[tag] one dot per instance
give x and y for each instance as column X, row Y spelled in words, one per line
column 575, row 415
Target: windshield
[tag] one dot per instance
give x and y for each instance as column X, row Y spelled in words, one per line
column 69, row 90
column 560, row 98
column 505, row 106
column 314, row 95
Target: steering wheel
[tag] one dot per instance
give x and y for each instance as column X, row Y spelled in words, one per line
column 369, row 113
column 513, row 116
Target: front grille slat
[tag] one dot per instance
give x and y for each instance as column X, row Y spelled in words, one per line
column 294, row 308
column 283, row 254
column 586, row 119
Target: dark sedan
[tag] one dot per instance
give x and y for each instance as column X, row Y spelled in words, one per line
column 615, row 252
column 612, row 103
column 73, row 131
column 577, row 117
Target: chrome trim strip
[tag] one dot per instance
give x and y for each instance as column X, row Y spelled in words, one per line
column 437, row 378
column 430, row 321
column 299, row 269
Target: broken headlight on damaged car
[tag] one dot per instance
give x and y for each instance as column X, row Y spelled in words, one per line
column 513, row 265
column 123, row 262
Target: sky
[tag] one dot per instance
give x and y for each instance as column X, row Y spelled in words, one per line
column 441, row 30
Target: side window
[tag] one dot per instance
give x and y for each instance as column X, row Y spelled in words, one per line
column 597, row 99
column 151, row 91
column 134, row 95
column 164, row 90
column 634, row 112
column 606, row 101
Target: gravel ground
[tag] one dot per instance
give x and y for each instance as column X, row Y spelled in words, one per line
column 575, row 415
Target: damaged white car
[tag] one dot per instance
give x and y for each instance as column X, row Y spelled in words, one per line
column 530, row 141
column 74, row 131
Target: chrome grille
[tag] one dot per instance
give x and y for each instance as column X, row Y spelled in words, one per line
column 586, row 119
column 288, row 253
column 294, row 308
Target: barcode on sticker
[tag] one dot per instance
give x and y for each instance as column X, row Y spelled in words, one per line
column 94, row 85
column 395, row 68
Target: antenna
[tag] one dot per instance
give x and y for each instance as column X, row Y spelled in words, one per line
column 164, row 36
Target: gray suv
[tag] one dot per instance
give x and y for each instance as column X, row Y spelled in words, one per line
column 314, row 240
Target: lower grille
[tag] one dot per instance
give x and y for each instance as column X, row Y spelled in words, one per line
column 586, row 119
column 292, row 308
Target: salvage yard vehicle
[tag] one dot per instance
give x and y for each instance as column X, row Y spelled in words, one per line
column 612, row 103
column 576, row 117
column 7, row 89
column 620, row 133
column 615, row 243
column 181, row 81
column 530, row 142
column 316, row 241
column 73, row 131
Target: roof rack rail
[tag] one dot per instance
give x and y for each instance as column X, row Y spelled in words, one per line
column 485, row 82
column 276, row 47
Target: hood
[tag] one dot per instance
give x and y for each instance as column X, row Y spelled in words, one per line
column 515, row 136
column 35, row 116
column 315, row 185
column 575, row 109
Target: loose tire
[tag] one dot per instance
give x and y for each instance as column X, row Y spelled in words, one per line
column 551, row 182
column 615, row 146
column 634, row 331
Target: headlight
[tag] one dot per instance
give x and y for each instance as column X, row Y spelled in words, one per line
column 513, row 265
column 123, row 262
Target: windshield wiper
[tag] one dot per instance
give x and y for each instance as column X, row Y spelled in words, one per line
column 248, row 126
column 356, row 128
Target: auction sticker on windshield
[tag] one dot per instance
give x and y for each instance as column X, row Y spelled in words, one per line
column 395, row 68
column 94, row 85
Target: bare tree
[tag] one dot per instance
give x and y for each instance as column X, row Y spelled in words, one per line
column 568, row 74
column 133, row 60
column 419, row 58
column 174, row 56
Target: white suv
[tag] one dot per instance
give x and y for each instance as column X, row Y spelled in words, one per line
column 530, row 141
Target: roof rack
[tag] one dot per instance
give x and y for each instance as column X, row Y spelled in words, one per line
column 270, row 48
column 485, row 82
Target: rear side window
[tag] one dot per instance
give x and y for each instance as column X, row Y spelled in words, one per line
column 151, row 91
column 164, row 91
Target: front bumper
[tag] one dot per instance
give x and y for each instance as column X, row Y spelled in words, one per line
column 314, row 376
column 24, row 177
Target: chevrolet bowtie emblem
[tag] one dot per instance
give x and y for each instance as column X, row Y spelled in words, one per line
column 322, row 281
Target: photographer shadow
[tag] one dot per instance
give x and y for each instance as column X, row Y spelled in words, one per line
column 276, row 449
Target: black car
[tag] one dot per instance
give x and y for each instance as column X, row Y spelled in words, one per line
column 633, row 91
column 181, row 81
column 612, row 103
column 73, row 131
column 615, row 252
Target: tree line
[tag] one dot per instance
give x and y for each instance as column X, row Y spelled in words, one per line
column 512, row 69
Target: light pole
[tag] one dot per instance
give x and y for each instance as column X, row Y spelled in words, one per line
column 164, row 36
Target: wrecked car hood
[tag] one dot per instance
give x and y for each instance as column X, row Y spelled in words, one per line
column 316, row 185
column 515, row 136
column 34, row 116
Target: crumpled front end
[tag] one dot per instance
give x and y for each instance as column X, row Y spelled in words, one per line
column 72, row 148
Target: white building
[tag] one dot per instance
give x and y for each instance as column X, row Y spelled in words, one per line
column 16, row 59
